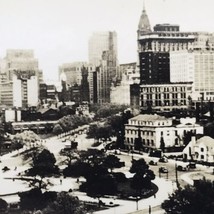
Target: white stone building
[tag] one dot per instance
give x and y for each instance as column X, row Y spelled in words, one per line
column 154, row 128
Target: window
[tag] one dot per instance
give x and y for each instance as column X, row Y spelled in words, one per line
column 202, row 149
column 202, row 156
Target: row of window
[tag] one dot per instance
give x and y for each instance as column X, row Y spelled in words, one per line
column 145, row 142
column 136, row 132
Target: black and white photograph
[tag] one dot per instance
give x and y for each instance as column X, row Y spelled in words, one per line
column 106, row 107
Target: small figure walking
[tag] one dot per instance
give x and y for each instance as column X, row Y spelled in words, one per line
column 61, row 181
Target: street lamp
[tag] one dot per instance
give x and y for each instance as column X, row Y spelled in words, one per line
column 137, row 199
column 176, row 173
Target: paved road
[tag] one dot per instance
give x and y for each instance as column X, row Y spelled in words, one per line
column 55, row 145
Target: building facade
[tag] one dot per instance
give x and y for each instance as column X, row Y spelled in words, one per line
column 103, row 55
column 100, row 42
column 151, row 130
column 165, row 97
column 196, row 66
column 201, row 149
column 21, row 78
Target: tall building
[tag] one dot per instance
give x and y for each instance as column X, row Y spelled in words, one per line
column 103, row 54
column 197, row 67
column 165, row 58
column 21, row 60
column 72, row 72
column 79, row 75
column 21, row 78
column 100, row 42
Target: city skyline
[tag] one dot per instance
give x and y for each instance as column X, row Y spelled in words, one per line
column 58, row 31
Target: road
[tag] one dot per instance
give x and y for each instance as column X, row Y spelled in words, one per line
column 54, row 144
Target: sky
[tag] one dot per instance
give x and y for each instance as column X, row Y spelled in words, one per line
column 58, row 30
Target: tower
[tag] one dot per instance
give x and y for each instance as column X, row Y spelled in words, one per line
column 144, row 24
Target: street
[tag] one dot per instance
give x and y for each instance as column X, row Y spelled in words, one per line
column 165, row 182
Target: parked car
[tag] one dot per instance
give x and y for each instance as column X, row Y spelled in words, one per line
column 192, row 165
column 153, row 163
column 4, row 169
column 163, row 160
column 182, row 168
column 163, row 169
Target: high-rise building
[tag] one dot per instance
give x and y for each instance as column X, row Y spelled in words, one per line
column 100, row 42
column 72, row 72
column 79, row 75
column 197, row 67
column 154, row 47
column 103, row 54
column 20, row 80
column 168, row 56
column 21, row 60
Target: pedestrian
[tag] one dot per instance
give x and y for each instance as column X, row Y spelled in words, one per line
column 154, row 195
column 61, row 181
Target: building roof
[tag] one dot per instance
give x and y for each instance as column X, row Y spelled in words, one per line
column 144, row 24
column 148, row 117
column 206, row 140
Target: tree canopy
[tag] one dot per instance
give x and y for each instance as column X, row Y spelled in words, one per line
column 197, row 199
column 44, row 164
column 65, row 204
column 142, row 177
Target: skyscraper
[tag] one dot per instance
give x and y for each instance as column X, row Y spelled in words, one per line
column 100, row 42
column 20, row 86
column 103, row 54
column 154, row 47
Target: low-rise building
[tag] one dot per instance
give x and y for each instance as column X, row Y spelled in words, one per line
column 201, row 150
column 154, row 130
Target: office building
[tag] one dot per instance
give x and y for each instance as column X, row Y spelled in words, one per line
column 165, row 97
column 103, row 55
column 72, row 72
column 100, row 42
column 196, row 66
column 20, row 79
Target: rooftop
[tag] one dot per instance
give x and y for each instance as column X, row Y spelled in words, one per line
column 148, row 117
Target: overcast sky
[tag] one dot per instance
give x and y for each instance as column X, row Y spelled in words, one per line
column 58, row 30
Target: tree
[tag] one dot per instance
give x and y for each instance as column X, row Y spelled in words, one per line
column 111, row 162
column 143, row 176
column 162, row 144
column 197, row 199
column 65, row 204
column 26, row 137
column 3, row 205
column 98, row 131
column 43, row 165
column 35, row 199
column 57, row 129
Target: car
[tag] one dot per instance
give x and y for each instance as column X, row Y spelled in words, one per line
column 163, row 160
column 163, row 169
column 182, row 168
column 4, row 169
column 153, row 163
column 192, row 165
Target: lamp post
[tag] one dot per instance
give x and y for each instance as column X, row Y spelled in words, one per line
column 137, row 199
column 176, row 173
